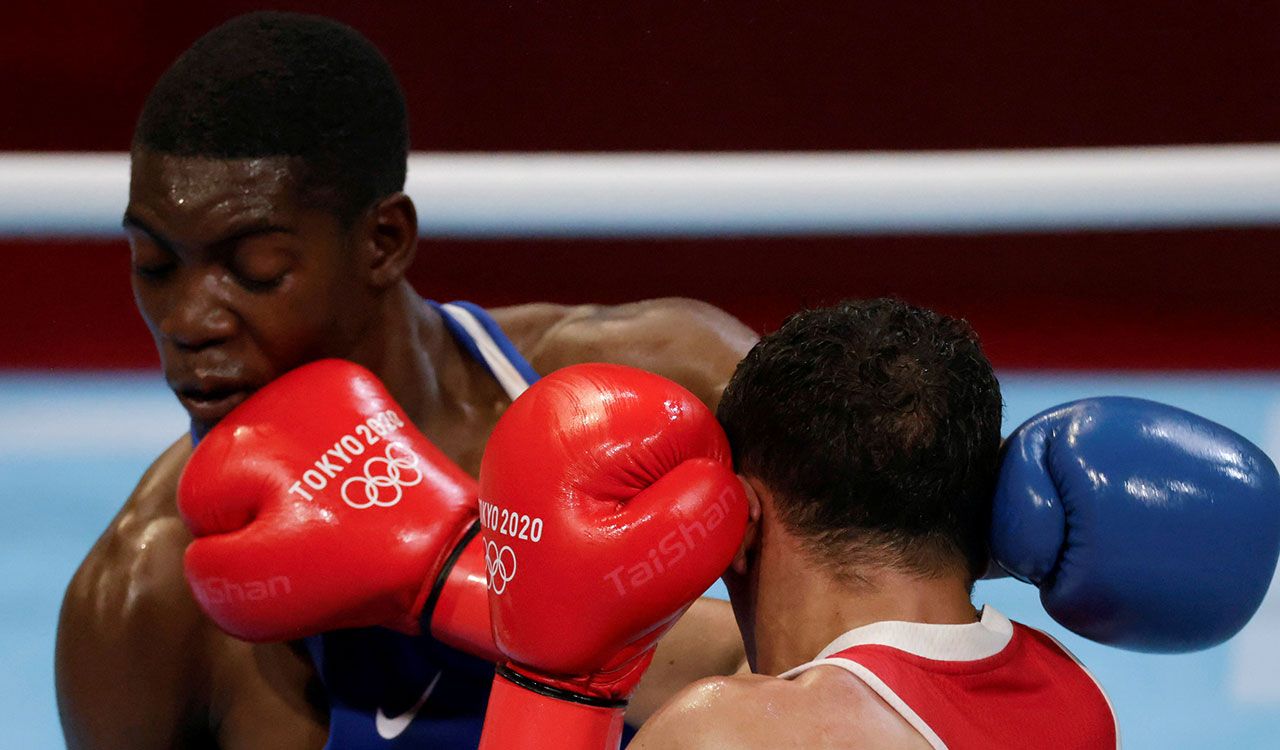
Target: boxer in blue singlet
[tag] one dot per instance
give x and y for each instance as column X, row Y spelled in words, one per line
column 268, row 228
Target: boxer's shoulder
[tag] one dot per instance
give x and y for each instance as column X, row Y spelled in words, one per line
column 140, row 553
column 692, row 342
column 127, row 622
column 823, row 708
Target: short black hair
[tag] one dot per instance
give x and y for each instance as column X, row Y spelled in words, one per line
column 287, row 84
column 876, row 425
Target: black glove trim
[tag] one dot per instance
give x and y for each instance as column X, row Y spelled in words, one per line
column 429, row 608
column 551, row 691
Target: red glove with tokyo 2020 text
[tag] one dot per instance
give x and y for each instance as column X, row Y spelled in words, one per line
column 316, row 505
column 608, row 505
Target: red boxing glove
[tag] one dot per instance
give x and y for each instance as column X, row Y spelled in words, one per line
column 316, row 505
column 608, row 505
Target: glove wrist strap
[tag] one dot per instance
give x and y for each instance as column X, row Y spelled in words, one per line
column 446, row 571
column 558, row 693
column 524, row 714
column 456, row 613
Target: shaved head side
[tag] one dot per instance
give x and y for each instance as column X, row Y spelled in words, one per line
column 287, row 85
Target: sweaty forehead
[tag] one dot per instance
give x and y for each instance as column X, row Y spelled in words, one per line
column 196, row 196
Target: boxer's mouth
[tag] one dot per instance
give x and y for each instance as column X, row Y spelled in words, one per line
column 208, row 404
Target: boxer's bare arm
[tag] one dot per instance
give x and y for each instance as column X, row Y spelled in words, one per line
column 693, row 343
column 698, row 346
column 823, row 709
column 138, row 666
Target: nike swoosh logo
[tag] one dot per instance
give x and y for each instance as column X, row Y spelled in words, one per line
column 392, row 727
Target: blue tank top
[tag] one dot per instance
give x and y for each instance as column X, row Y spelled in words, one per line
column 387, row 690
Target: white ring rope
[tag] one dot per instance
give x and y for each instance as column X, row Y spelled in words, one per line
column 744, row 194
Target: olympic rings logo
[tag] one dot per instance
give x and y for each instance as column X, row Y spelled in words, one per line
column 389, row 473
column 500, row 564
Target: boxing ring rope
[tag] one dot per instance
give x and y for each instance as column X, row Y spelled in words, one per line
column 743, row 194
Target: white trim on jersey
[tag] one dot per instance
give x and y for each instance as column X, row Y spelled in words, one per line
column 506, row 373
column 881, row 689
column 1115, row 719
column 969, row 642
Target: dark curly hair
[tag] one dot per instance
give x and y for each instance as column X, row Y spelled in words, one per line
column 287, row 84
column 876, row 424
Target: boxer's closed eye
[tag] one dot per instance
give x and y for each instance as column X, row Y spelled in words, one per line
column 150, row 262
column 260, row 264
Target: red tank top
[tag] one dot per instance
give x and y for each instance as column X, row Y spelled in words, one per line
column 991, row 684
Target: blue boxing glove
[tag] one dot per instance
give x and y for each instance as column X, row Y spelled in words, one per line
column 1144, row 526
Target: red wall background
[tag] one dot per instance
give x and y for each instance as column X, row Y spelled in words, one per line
column 827, row 74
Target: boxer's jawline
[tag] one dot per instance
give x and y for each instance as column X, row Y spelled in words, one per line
column 551, row 691
column 429, row 608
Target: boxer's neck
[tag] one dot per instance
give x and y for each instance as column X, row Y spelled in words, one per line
column 424, row 369
column 801, row 607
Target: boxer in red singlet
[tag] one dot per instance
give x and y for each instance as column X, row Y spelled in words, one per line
column 867, row 435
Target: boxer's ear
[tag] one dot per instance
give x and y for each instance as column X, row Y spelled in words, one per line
column 752, row 535
column 390, row 235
